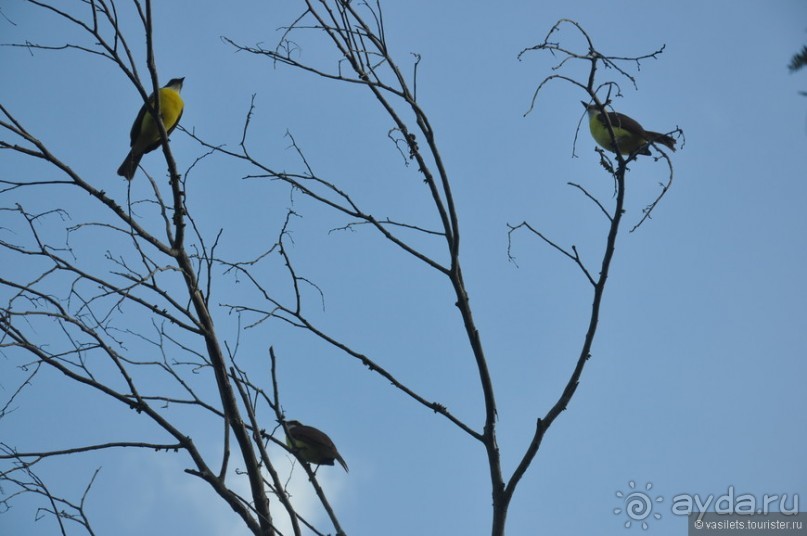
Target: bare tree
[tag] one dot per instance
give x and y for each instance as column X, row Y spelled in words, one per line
column 140, row 320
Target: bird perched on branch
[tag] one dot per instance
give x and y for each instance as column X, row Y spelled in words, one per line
column 145, row 135
column 312, row 445
column 629, row 135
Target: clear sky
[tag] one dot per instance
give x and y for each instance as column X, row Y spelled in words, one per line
column 696, row 382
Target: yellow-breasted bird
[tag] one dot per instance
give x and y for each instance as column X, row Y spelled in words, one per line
column 629, row 134
column 312, row 445
column 145, row 135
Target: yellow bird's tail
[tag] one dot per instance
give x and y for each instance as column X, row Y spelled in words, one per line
column 129, row 166
column 663, row 139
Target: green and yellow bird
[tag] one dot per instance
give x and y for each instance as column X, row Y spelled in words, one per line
column 145, row 135
column 312, row 445
column 629, row 135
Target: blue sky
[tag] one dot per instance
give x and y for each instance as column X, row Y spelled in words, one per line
column 696, row 384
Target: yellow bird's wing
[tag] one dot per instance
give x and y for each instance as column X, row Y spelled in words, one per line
column 624, row 122
column 138, row 123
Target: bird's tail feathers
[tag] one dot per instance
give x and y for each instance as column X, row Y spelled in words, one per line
column 663, row 139
column 129, row 166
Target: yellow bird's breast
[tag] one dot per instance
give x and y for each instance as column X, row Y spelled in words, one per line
column 148, row 136
column 627, row 142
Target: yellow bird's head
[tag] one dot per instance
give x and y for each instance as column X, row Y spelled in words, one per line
column 175, row 84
